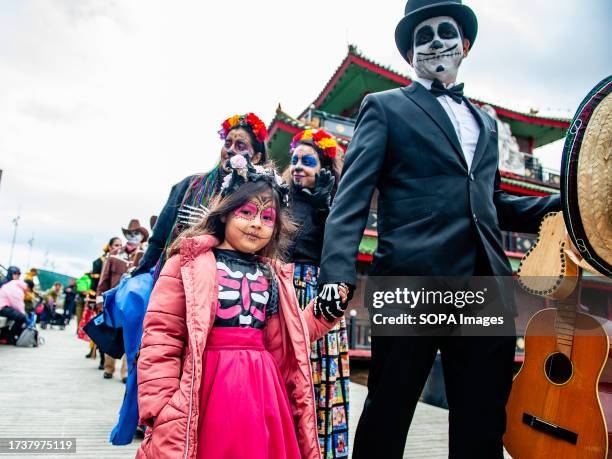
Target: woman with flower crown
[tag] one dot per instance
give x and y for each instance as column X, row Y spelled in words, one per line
column 314, row 172
column 224, row 370
column 244, row 135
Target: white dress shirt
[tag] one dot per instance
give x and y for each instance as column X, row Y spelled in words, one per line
column 463, row 120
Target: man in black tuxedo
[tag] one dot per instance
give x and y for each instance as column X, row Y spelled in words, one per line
column 433, row 157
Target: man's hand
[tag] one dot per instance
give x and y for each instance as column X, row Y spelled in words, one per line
column 332, row 300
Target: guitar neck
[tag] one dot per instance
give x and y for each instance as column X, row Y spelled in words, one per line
column 565, row 322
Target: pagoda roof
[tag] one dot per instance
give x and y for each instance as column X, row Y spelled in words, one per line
column 358, row 76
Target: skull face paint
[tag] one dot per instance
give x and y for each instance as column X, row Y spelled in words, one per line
column 305, row 166
column 134, row 237
column 437, row 49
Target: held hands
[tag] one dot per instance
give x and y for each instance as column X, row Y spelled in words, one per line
column 320, row 195
column 332, row 300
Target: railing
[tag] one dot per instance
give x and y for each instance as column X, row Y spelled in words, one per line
column 526, row 166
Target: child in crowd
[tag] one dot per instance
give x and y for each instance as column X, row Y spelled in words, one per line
column 224, row 365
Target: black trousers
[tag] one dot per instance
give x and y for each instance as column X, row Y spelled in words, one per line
column 19, row 321
column 478, row 378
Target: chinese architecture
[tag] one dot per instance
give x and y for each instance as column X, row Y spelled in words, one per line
column 335, row 110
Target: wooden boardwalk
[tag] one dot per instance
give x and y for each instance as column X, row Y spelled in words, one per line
column 53, row 391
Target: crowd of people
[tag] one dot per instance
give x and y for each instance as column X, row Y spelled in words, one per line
column 24, row 303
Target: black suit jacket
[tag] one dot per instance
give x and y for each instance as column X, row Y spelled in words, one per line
column 434, row 216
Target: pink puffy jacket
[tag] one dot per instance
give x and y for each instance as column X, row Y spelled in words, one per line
column 12, row 294
column 179, row 317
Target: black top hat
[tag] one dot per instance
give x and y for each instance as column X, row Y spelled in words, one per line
column 418, row 11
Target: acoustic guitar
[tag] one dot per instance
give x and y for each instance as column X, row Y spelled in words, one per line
column 554, row 409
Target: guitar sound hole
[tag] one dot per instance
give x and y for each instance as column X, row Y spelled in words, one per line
column 558, row 368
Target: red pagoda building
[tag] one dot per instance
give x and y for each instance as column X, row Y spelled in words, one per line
column 335, row 110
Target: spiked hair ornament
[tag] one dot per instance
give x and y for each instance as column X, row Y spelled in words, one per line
column 243, row 171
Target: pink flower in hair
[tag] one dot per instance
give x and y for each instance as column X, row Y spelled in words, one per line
column 238, row 162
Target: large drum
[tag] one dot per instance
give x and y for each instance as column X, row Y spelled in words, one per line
column 586, row 185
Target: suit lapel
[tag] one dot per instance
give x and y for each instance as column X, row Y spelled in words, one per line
column 428, row 103
column 483, row 137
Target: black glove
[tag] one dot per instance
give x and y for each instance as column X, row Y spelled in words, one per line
column 320, row 195
column 328, row 303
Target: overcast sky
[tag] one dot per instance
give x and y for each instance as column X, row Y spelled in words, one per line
column 104, row 104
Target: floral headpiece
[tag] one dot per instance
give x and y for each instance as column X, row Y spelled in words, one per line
column 320, row 138
column 243, row 171
column 249, row 119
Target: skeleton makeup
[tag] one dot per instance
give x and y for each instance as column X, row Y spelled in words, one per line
column 304, row 166
column 437, row 49
column 134, row 237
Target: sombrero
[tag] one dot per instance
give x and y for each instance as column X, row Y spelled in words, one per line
column 586, row 185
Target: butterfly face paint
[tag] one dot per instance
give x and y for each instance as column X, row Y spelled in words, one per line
column 437, row 49
column 268, row 216
column 249, row 228
column 246, row 211
column 305, row 165
column 250, row 211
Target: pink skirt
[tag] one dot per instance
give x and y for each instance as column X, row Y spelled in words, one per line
column 244, row 408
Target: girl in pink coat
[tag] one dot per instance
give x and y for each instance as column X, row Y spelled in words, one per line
column 224, row 370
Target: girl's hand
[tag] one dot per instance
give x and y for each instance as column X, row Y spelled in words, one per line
column 343, row 291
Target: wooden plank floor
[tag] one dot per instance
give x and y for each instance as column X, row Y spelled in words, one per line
column 53, row 391
column 428, row 435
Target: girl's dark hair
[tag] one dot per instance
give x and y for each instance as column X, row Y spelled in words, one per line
column 259, row 147
column 221, row 208
column 107, row 247
column 9, row 275
column 332, row 165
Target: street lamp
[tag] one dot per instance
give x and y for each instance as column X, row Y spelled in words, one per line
column 15, row 224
